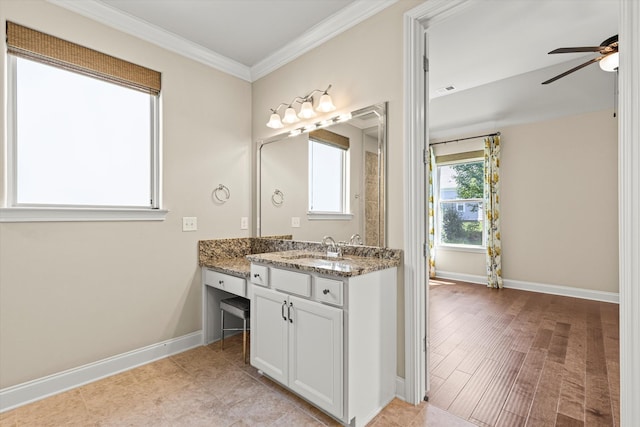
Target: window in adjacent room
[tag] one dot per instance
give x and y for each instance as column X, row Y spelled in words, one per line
column 328, row 173
column 84, row 126
column 460, row 216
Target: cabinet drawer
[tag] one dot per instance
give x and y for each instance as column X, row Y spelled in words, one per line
column 260, row 275
column 291, row 282
column 328, row 290
column 232, row 284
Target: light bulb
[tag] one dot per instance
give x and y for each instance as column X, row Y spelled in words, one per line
column 609, row 62
column 326, row 104
column 306, row 111
column 290, row 116
column 275, row 122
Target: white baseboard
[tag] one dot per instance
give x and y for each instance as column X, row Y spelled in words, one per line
column 400, row 388
column 566, row 291
column 21, row 394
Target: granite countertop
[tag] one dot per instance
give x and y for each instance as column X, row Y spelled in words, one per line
column 239, row 267
column 318, row 262
column 234, row 256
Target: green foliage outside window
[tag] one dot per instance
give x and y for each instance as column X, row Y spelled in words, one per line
column 469, row 178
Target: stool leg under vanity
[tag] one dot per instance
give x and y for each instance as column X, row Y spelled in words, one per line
column 238, row 307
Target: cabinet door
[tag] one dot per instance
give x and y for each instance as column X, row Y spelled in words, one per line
column 315, row 354
column 269, row 329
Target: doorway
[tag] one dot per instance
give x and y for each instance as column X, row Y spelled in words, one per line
column 416, row 135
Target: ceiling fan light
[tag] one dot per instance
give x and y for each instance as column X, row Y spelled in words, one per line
column 306, row 110
column 290, row 116
column 609, row 62
column 275, row 122
column 326, row 104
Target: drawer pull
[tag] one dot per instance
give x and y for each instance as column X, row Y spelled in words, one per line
column 220, row 282
column 256, row 275
column 326, row 291
column 283, row 316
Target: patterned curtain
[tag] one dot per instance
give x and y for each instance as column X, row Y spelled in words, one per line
column 431, row 222
column 492, row 210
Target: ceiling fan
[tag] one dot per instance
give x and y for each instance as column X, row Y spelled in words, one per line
column 608, row 58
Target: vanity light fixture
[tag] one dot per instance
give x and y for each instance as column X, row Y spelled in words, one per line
column 325, row 105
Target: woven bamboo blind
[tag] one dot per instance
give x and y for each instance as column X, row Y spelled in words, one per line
column 330, row 138
column 31, row 44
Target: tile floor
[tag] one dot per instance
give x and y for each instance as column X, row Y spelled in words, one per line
column 204, row 386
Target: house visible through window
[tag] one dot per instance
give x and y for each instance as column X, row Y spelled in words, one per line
column 83, row 126
column 460, row 216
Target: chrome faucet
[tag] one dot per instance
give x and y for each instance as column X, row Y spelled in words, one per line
column 355, row 240
column 333, row 251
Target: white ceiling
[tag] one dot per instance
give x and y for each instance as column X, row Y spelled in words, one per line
column 493, row 51
column 246, row 31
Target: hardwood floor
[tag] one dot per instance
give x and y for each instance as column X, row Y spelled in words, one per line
column 514, row 358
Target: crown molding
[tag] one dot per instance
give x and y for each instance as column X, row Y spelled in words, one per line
column 136, row 27
column 346, row 18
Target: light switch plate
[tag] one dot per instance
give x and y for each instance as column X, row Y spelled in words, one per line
column 189, row 223
column 244, row 223
column 295, row 222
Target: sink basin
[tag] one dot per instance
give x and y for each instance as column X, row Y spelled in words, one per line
column 319, row 260
column 314, row 255
column 329, row 264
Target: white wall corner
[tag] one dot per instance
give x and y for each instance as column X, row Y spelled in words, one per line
column 31, row 391
column 400, row 388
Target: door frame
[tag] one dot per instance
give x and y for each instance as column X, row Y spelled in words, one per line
column 415, row 134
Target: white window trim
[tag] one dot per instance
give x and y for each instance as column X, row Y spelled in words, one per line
column 14, row 212
column 32, row 214
column 461, row 248
column 314, row 216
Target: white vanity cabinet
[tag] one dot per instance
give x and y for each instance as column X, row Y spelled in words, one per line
column 331, row 340
column 299, row 343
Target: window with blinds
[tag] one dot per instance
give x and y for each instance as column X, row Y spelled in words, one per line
column 83, row 126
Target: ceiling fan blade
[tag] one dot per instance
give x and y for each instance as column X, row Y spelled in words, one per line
column 578, row 49
column 559, row 76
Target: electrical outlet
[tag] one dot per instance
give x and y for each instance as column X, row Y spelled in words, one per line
column 295, row 222
column 244, row 223
column 189, row 223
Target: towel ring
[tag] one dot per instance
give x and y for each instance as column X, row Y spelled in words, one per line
column 277, row 198
column 221, row 194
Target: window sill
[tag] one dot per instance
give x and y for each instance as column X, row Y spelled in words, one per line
column 32, row 214
column 461, row 248
column 313, row 216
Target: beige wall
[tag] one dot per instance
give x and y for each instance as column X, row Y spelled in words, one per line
column 559, row 184
column 75, row 293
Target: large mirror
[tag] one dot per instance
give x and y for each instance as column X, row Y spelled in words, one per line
column 327, row 179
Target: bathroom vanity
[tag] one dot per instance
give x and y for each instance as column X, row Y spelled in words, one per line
column 325, row 328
